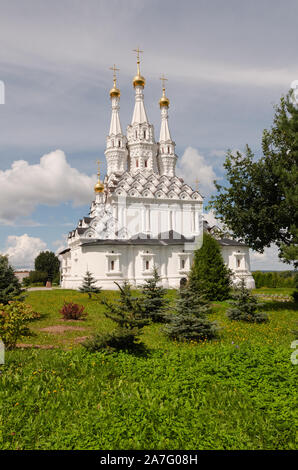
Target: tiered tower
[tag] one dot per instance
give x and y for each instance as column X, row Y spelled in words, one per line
column 116, row 149
column 140, row 134
column 166, row 152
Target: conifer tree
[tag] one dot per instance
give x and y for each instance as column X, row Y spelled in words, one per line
column 209, row 272
column 190, row 322
column 89, row 286
column 128, row 313
column 245, row 306
column 153, row 298
column 10, row 287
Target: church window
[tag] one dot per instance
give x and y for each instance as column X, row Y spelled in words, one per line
column 144, row 133
column 136, row 134
column 112, row 265
column 146, row 163
column 147, row 265
column 137, row 163
column 119, row 143
column 182, row 264
column 168, row 149
column 238, row 263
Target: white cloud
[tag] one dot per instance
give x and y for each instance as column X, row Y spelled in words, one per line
column 191, row 166
column 22, row 250
column 51, row 182
column 60, row 244
column 267, row 261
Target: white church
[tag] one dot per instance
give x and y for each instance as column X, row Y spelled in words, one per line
column 142, row 215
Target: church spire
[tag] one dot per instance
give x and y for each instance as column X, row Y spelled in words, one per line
column 139, row 113
column 116, row 152
column 166, row 155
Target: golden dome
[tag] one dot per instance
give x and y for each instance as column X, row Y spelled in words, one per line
column 114, row 92
column 99, row 187
column 139, row 81
column 164, row 101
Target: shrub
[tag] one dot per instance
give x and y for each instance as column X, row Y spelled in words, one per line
column 153, row 298
column 89, row 286
column 129, row 315
column 245, row 306
column 13, row 322
column 37, row 278
column 190, row 322
column 72, row 311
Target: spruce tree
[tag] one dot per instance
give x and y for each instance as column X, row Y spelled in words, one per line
column 10, row 287
column 209, row 273
column 128, row 313
column 190, row 322
column 88, row 286
column 153, row 298
column 245, row 306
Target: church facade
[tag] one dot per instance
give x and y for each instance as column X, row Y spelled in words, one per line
column 142, row 215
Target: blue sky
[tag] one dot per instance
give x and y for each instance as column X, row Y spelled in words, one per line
column 227, row 63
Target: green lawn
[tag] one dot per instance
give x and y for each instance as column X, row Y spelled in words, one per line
column 238, row 392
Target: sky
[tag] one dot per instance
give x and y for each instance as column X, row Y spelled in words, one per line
column 227, row 64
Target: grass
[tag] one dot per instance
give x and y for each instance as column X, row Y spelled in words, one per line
column 238, row 392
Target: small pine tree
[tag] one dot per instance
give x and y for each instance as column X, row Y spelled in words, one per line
column 153, row 298
column 245, row 306
column 190, row 322
column 209, row 272
column 128, row 313
column 88, row 286
column 10, row 287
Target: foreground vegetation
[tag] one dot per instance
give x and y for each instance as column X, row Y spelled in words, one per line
column 236, row 392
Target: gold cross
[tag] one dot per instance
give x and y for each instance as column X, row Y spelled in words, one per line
column 163, row 79
column 138, row 50
column 114, row 72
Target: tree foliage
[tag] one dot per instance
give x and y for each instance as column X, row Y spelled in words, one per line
column 154, row 298
column 208, row 272
column 89, row 285
column 129, row 315
column 189, row 321
column 260, row 202
column 245, row 306
column 10, row 287
column 47, row 262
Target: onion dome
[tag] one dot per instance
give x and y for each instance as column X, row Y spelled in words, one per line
column 138, row 79
column 114, row 92
column 164, row 101
column 99, row 187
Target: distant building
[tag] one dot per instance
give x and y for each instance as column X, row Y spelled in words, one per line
column 21, row 275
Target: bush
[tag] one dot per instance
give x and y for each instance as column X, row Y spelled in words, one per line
column 36, row 278
column 245, row 306
column 115, row 341
column 153, row 298
column 190, row 322
column 72, row 311
column 129, row 315
column 13, row 322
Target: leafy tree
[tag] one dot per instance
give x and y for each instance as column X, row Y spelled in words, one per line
column 245, row 306
column 209, row 272
column 153, row 298
column 47, row 262
column 260, row 202
column 129, row 315
column 10, row 287
column 13, row 322
column 89, row 286
column 190, row 322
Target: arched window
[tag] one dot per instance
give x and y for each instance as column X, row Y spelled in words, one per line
column 182, row 263
column 147, row 265
column 119, row 143
column 112, row 265
column 137, row 163
column 144, row 134
column 146, row 163
column 238, row 263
